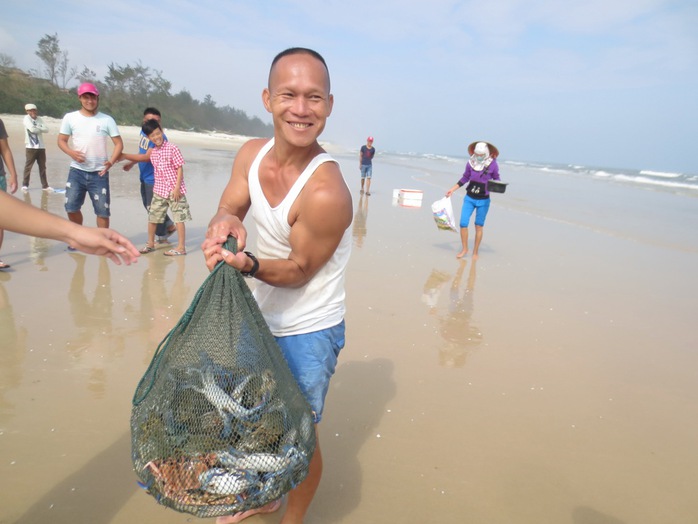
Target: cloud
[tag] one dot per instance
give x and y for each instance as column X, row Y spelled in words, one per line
column 420, row 76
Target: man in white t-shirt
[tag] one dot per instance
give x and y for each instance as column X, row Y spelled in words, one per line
column 89, row 168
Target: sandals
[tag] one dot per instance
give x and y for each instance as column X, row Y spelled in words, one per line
column 174, row 253
column 169, row 253
column 3, row 265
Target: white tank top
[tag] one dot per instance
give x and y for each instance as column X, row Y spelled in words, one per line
column 317, row 305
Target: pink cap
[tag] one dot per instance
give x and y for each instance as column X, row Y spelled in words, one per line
column 88, row 88
column 369, row 139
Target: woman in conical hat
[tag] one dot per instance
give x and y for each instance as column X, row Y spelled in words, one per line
column 481, row 167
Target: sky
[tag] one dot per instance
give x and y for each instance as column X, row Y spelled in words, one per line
column 598, row 83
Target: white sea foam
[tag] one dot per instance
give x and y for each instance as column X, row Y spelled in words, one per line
column 647, row 179
column 654, row 182
column 660, row 174
column 603, row 174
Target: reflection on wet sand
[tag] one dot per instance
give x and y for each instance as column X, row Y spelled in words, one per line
column 38, row 247
column 95, row 343
column 161, row 305
column 455, row 324
column 14, row 348
column 359, row 229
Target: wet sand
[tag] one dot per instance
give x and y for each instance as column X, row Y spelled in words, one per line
column 553, row 380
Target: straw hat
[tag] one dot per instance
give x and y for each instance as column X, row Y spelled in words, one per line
column 494, row 152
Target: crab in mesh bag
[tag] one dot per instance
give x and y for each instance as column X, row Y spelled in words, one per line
column 218, row 423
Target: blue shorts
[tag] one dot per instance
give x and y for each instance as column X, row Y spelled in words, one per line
column 3, row 183
column 81, row 183
column 366, row 171
column 312, row 358
column 481, row 206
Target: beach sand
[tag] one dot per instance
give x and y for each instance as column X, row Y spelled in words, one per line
column 554, row 380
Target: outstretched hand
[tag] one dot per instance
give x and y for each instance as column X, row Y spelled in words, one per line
column 106, row 242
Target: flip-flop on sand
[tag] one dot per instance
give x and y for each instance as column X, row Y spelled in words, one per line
column 3, row 265
column 147, row 249
column 174, row 253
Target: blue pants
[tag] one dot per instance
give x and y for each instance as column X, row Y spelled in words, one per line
column 480, row 206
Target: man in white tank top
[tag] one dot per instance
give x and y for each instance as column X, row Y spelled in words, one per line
column 302, row 208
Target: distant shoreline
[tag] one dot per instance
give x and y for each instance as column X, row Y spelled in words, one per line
column 13, row 124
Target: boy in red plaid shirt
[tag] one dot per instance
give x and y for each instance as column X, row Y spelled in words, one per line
column 169, row 189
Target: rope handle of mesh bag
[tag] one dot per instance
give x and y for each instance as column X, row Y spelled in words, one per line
column 231, row 244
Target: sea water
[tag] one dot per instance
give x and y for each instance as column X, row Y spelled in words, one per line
column 658, row 208
column 676, row 183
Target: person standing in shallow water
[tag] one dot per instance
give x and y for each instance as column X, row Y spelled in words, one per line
column 169, row 190
column 366, row 155
column 296, row 195
column 34, row 127
column 481, row 167
column 164, row 230
column 89, row 129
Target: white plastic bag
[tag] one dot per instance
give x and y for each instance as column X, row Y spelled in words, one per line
column 443, row 214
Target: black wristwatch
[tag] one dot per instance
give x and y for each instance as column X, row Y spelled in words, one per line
column 255, row 266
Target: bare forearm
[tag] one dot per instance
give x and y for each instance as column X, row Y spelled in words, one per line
column 118, row 149
column 180, row 177
column 134, row 158
column 63, row 146
column 281, row 273
column 20, row 217
column 8, row 158
column 452, row 190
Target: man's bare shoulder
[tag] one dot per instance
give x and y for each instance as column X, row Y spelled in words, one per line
column 251, row 148
column 328, row 176
column 245, row 156
column 327, row 189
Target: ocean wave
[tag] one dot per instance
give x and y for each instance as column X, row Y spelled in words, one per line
column 654, row 182
column 446, row 158
column 660, row 174
column 431, row 163
column 555, row 170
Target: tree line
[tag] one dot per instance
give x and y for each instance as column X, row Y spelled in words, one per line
column 124, row 92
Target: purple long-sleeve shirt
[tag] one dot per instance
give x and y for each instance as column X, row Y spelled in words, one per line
column 479, row 178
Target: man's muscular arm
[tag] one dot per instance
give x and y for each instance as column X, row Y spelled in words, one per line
column 232, row 209
column 321, row 215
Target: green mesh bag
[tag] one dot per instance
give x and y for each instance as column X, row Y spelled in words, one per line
column 218, row 423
